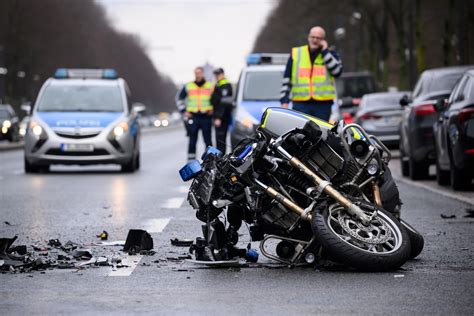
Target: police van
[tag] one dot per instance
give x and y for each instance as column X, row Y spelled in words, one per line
column 258, row 88
column 83, row 116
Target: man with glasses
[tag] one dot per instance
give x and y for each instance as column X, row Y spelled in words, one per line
column 309, row 76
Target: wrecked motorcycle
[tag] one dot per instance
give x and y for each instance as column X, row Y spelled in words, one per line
column 307, row 190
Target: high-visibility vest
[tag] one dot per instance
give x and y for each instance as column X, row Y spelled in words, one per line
column 199, row 98
column 222, row 82
column 308, row 82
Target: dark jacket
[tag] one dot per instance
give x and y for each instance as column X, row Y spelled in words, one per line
column 222, row 89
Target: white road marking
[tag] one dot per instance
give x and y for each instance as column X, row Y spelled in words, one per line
column 156, row 225
column 131, row 262
column 442, row 192
column 174, row 202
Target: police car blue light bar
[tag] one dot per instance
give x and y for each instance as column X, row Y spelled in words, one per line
column 65, row 73
column 268, row 59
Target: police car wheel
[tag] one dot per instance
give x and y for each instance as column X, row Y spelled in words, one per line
column 131, row 166
column 31, row 168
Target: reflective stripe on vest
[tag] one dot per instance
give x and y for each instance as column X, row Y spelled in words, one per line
column 199, row 98
column 310, row 82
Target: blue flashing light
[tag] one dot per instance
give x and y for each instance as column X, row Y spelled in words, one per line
column 110, row 74
column 253, row 59
column 190, row 170
column 61, row 73
column 211, row 151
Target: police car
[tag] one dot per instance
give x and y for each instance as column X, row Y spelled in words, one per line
column 83, row 116
column 258, row 88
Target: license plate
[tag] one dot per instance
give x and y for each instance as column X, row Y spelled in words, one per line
column 77, row 147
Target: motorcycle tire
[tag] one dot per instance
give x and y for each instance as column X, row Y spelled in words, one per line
column 351, row 251
column 416, row 239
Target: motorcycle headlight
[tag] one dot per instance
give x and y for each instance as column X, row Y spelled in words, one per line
column 7, row 124
column 373, row 167
column 120, row 129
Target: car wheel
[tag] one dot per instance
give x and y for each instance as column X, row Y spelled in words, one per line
column 31, row 168
column 130, row 166
column 418, row 170
column 405, row 168
column 442, row 176
column 138, row 161
column 460, row 180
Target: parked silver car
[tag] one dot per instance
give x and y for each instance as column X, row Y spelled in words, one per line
column 380, row 115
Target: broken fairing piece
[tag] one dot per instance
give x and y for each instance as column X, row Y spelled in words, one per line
column 82, row 254
column 138, row 240
column 181, row 242
column 110, row 243
column 217, row 264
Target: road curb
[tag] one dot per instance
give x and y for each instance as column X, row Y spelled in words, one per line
column 11, row 146
column 442, row 192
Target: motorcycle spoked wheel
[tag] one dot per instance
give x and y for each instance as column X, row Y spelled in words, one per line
column 416, row 239
column 383, row 245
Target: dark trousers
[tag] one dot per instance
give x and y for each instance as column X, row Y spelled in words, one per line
column 221, row 135
column 319, row 109
column 199, row 122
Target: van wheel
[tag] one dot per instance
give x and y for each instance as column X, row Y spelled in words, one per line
column 459, row 179
column 442, row 176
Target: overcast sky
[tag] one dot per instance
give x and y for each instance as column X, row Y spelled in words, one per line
column 182, row 34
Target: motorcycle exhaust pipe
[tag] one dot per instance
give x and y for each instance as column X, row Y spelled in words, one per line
column 377, row 195
column 325, row 186
column 285, row 201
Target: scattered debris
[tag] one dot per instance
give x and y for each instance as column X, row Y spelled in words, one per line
column 147, row 252
column 137, row 240
column 464, row 249
column 181, row 242
column 443, row 216
column 7, row 223
column 84, row 254
column 103, row 236
column 470, row 213
column 54, row 243
column 396, row 276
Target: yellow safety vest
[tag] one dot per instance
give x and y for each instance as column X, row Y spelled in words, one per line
column 222, row 82
column 199, row 98
column 310, row 81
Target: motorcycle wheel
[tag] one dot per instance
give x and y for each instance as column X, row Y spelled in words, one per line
column 383, row 245
column 416, row 239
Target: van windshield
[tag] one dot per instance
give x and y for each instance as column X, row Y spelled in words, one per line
column 262, row 86
column 81, row 98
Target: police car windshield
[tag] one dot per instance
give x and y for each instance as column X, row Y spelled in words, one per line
column 262, row 86
column 81, row 98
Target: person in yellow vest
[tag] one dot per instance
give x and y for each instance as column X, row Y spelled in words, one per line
column 194, row 102
column 309, row 76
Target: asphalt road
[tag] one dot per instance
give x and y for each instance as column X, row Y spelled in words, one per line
column 77, row 203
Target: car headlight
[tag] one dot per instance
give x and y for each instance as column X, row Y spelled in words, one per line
column 7, row 124
column 35, row 128
column 165, row 123
column 120, row 129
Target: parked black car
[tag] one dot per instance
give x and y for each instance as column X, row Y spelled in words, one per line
column 380, row 115
column 9, row 124
column 454, row 135
column 417, row 150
